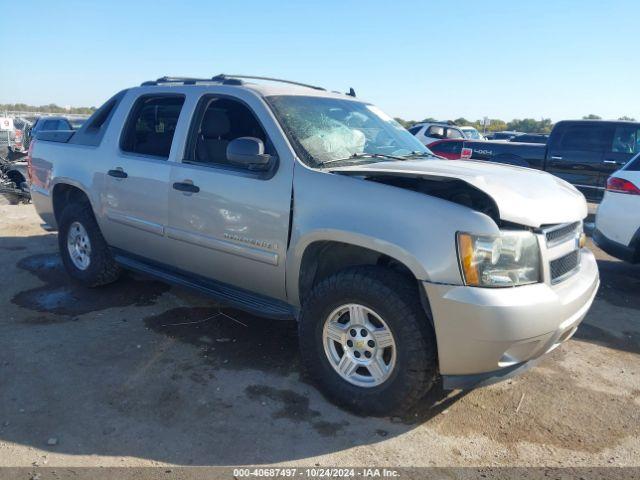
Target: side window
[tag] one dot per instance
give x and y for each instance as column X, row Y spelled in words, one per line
column 151, row 124
column 415, row 130
column 454, row 133
column 626, row 139
column 49, row 125
column 588, row 138
column 435, row 132
column 98, row 119
column 220, row 121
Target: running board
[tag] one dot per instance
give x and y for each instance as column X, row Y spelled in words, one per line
column 241, row 299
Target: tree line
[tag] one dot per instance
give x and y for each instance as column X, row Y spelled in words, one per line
column 51, row 108
column 527, row 125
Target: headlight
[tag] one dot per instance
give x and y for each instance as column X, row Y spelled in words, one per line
column 506, row 260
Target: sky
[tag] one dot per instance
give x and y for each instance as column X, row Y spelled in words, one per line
column 414, row 59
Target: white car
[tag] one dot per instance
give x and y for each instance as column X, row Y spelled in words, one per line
column 617, row 229
column 428, row 133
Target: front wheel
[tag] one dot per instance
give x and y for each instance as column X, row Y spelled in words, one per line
column 366, row 340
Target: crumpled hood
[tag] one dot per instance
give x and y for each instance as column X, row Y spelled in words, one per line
column 523, row 195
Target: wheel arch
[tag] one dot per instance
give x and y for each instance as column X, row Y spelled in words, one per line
column 64, row 193
column 321, row 256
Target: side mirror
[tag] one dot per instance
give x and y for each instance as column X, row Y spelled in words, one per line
column 248, row 152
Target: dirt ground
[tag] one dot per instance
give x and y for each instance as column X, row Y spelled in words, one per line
column 140, row 373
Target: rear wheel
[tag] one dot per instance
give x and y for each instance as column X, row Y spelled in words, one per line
column 85, row 254
column 367, row 342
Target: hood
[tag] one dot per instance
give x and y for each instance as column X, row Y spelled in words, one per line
column 522, row 195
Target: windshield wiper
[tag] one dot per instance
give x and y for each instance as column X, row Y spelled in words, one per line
column 416, row 153
column 358, row 156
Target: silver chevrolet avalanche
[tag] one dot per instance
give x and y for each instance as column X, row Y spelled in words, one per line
column 292, row 202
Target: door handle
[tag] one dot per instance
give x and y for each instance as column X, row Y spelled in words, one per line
column 611, row 162
column 117, row 173
column 554, row 157
column 186, row 187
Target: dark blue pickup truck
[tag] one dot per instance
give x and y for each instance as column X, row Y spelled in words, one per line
column 582, row 152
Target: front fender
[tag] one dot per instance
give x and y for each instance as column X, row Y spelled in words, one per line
column 295, row 256
column 415, row 229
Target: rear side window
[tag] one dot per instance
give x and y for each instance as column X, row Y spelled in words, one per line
column 151, row 125
column 94, row 128
column 589, row 138
column 98, row 119
column 415, row 130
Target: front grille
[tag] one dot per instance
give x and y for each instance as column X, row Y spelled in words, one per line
column 558, row 234
column 561, row 267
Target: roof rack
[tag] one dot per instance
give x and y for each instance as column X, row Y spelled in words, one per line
column 187, row 81
column 224, row 79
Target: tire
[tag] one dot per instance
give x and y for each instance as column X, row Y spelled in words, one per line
column 101, row 268
column 395, row 300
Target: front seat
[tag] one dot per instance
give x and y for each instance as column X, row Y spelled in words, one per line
column 211, row 146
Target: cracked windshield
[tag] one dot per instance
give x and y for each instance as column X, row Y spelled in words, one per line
column 342, row 132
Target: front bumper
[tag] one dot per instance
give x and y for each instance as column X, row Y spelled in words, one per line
column 488, row 333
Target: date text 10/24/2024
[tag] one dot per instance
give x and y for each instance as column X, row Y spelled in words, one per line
column 316, row 472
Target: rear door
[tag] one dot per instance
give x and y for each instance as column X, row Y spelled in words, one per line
column 576, row 155
column 136, row 178
column 625, row 145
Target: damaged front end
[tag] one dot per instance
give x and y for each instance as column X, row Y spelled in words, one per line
column 510, row 196
column 451, row 189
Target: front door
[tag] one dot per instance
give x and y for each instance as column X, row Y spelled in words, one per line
column 576, row 155
column 228, row 223
column 135, row 194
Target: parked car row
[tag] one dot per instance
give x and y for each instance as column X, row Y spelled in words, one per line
column 14, row 187
column 27, row 128
column 583, row 152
